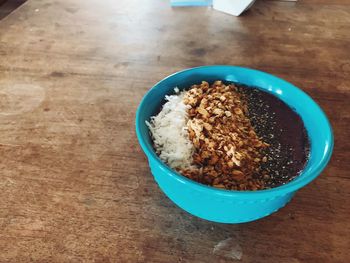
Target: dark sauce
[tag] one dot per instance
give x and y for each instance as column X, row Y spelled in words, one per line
column 281, row 127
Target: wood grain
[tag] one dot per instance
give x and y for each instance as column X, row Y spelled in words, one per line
column 74, row 184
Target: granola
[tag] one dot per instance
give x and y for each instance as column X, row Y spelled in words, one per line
column 228, row 152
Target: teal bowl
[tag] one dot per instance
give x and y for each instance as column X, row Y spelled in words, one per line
column 228, row 206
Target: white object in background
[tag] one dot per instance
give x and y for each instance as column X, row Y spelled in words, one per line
column 232, row 7
column 190, row 2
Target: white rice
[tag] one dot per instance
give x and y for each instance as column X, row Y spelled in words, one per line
column 169, row 132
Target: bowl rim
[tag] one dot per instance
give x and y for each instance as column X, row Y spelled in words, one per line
column 276, row 191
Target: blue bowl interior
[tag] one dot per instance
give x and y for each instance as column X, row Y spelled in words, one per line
column 315, row 121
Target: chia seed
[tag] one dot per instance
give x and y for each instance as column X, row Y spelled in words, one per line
column 282, row 128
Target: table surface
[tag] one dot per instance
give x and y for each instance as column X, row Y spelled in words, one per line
column 74, row 184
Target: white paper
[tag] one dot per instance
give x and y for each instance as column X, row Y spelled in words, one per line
column 232, row 7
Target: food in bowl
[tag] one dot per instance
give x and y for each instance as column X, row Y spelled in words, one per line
column 230, row 136
column 230, row 206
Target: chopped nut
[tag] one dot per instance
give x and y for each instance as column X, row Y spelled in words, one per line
column 205, row 154
column 226, row 145
column 228, row 113
column 218, row 111
column 238, row 175
column 238, row 111
column 219, row 186
column 203, row 111
column 207, row 126
column 211, row 145
column 237, row 172
column 258, row 143
column 252, row 134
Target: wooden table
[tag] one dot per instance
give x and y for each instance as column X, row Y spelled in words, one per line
column 74, row 184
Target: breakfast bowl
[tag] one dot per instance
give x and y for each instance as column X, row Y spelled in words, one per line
column 232, row 206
